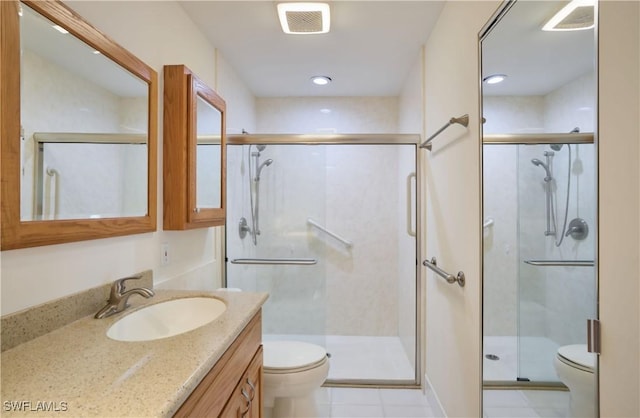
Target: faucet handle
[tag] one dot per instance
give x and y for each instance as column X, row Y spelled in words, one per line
column 119, row 286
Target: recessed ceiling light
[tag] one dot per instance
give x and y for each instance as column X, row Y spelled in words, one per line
column 321, row 80
column 494, row 78
column 60, row 29
column 304, row 18
column 96, row 52
column 325, row 110
column 577, row 15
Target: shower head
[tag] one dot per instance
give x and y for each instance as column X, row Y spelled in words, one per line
column 261, row 147
column 558, row 147
column 261, row 166
column 539, row 163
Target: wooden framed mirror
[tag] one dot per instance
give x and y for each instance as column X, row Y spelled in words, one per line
column 78, row 127
column 194, row 152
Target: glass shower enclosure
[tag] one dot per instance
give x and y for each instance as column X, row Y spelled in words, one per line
column 539, row 251
column 326, row 225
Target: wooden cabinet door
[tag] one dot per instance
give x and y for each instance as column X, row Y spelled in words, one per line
column 246, row 401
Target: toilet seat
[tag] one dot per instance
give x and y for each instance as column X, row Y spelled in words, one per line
column 292, row 356
column 577, row 356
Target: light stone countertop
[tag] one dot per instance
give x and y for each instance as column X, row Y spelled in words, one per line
column 77, row 370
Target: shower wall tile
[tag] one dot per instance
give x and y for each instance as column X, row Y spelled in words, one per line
column 513, row 114
column 302, row 115
column 362, row 285
column 500, row 241
column 353, row 191
column 571, row 106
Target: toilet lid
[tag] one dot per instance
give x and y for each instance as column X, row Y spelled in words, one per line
column 281, row 355
column 578, row 354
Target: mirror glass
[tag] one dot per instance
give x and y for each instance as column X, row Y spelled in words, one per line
column 208, row 159
column 539, row 210
column 84, row 128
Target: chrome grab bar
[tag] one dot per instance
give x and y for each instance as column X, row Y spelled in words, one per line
column 462, row 120
column 450, row 278
column 346, row 242
column 561, row 263
column 276, row 261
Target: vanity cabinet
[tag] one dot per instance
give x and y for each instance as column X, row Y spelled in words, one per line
column 194, row 152
column 233, row 387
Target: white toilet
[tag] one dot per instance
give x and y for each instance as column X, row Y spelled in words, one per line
column 293, row 371
column 575, row 366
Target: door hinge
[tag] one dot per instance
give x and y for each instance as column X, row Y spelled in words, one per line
column 593, row 336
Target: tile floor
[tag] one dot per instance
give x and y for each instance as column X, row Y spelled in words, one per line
column 372, row 403
column 525, row 403
column 410, row 403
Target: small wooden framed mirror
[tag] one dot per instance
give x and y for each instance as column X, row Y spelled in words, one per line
column 194, row 152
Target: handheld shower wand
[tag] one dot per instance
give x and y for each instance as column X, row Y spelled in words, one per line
column 254, row 189
column 260, row 167
column 548, row 197
column 539, row 163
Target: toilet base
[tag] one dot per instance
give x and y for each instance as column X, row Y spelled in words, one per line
column 581, row 406
column 581, row 386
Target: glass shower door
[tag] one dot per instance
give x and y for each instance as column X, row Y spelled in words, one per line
column 556, row 287
column 336, row 249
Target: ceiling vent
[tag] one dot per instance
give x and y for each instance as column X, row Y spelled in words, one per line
column 577, row 15
column 304, row 18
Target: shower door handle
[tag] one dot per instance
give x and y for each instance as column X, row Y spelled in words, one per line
column 410, row 229
column 276, row 261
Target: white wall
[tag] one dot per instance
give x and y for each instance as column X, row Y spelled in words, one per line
column 345, row 115
column 618, row 153
column 241, row 105
column 159, row 33
column 410, row 102
column 452, row 202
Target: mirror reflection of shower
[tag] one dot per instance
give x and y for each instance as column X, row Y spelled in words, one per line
column 550, row 194
column 254, row 188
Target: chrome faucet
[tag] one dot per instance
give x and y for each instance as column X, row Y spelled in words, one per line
column 118, row 298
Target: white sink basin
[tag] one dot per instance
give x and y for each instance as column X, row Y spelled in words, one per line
column 166, row 319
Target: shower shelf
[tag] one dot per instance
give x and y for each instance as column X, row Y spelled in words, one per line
column 276, row 261
column 560, row 263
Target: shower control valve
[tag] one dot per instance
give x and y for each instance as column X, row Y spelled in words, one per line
column 243, row 228
column 578, row 229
